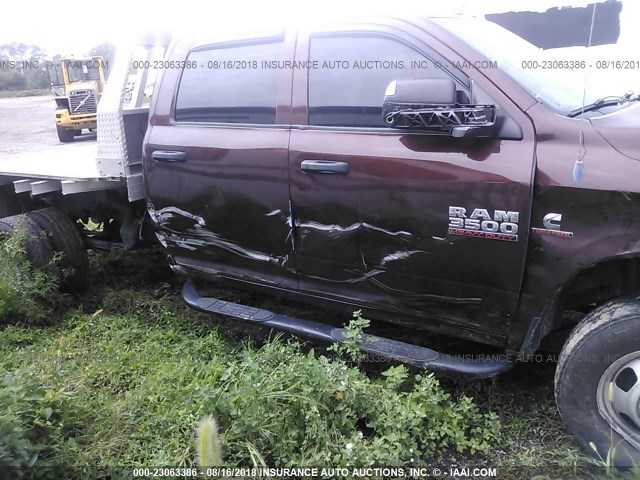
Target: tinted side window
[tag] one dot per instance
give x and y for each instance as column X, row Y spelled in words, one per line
column 228, row 85
column 347, row 88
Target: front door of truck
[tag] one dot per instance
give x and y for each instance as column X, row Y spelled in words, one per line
column 391, row 219
column 216, row 166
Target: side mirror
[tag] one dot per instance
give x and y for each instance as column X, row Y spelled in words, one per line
column 431, row 105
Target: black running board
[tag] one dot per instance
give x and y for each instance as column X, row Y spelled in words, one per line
column 403, row 352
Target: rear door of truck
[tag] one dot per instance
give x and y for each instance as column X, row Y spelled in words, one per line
column 216, row 158
column 375, row 228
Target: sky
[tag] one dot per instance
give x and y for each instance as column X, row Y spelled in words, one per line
column 73, row 28
column 119, row 22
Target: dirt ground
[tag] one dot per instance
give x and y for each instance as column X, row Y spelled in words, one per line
column 28, row 124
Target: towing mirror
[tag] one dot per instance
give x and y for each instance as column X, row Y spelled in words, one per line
column 431, row 105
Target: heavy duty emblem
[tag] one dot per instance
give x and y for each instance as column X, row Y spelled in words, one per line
column 551, row 222
column 502, row 225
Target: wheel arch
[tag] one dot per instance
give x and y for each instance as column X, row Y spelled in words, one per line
column 588, row 288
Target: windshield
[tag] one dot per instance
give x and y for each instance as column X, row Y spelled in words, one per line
column 93, row 73
column 79, row 71
column 55, row 75
column 532, row 68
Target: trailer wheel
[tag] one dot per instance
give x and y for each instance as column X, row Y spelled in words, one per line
column 38, row 248
column 597, row 383
column 65, row 135
column 66, row 240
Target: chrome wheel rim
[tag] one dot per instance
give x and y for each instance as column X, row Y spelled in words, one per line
column 619, row 397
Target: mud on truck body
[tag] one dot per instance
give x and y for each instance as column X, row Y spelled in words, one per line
column 447, row 199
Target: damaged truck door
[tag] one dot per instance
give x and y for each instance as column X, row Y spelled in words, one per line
column 423, row 218
column 218, row 175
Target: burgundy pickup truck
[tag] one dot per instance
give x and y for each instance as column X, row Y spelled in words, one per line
column 415, row 169
column 420, row 170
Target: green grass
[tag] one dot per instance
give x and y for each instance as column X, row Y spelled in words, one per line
column 125, row 378
column 26, row 295
column 24, row 93
column 129, row 391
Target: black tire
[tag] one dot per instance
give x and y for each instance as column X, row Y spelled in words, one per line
column 65, row 135
column 39, row 249
column 597, row 382
column 66, row 240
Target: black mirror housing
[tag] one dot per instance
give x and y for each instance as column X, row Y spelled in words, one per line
column 426, row 91
column 431, row 105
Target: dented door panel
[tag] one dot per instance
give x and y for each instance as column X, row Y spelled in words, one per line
column 220, row 210
column 223, row 209
column 382, row 235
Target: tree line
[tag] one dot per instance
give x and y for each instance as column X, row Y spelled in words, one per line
column 28, row 68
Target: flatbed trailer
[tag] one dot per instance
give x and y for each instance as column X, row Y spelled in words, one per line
column 67, row 170
column 100, row 181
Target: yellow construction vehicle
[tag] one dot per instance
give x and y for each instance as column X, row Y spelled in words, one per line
column 76, row 84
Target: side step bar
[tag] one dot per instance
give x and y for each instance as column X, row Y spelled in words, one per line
column 403, row 352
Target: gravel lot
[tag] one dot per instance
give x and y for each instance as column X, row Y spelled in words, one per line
column 28, row 124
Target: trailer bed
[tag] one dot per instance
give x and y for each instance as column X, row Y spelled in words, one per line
column 32, row 157
column 64, row 161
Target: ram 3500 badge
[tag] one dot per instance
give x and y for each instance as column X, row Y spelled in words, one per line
column 502, row 225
